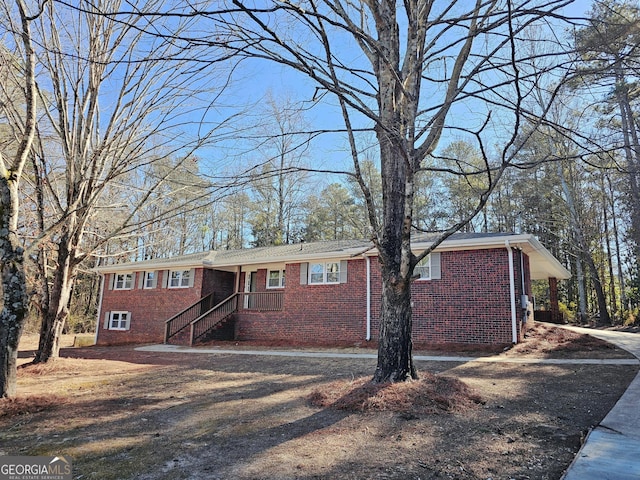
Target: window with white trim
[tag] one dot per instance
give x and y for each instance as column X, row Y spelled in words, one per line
column 179, row 278
column 327, row 272
column 119, row 320
column 123, row 281
column 150, row 279
column 275, row 279
column 423, row 268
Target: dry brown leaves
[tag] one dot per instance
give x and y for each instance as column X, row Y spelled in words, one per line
column 430, row 394
column 547, row 339
column 10, row 407
column 54, row 365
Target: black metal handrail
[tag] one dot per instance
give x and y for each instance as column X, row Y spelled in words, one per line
column 183, row 319
column 208, row 320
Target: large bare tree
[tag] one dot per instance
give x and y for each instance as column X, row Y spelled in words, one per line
column 18, row 83
column 114, row 101
column 411, row 72
column 407, row 72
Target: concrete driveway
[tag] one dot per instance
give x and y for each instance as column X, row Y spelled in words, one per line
column 612, row 450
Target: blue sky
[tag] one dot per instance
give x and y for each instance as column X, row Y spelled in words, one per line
column 329, row 151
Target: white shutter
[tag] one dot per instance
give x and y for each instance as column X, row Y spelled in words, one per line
column 141, row 279
column 107, row 317
column 304, row 273
column 343, row 271
column 192, row 277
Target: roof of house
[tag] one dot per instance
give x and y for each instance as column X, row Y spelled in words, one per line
column 542, row 263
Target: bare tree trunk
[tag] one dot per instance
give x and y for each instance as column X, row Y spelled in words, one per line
column 613, row 296
column 395, row 360
column 574, row 219
column 616, row 238
column 582, row 291
column 283, row 237
column 57, row 310
column 14, row 291
column 607, row 238
column 40, row 298
column 603, row 317
column 632, row 154
column 94, row 292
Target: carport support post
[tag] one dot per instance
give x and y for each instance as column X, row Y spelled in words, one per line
column 553, row 300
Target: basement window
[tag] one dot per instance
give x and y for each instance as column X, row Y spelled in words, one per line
column 119, row 320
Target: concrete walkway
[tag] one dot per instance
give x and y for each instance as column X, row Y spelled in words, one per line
column 428, row 358
column 612, row 450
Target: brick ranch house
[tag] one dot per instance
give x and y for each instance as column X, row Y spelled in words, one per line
column 473, row 289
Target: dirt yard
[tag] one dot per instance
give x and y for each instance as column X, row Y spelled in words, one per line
column 124, row 414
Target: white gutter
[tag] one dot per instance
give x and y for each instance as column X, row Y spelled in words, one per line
column 99, row 315
column 368, row 263
column 512, row 292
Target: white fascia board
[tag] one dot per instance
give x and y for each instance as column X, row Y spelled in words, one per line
column 149, row 266
column 230, row 265
column 135, row 267
column 542, row 263
column 252, row 267
column 549, row 266
column 480, row 243
column 301, row 258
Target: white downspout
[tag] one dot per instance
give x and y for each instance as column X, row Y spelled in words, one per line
column 95, row 339
column 512, row 292
column 522, row 273
column 368, row 262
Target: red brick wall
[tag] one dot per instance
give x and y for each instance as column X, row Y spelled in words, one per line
column 149, row 309
column 221, row 284
column 313, row 314
column 469, row 304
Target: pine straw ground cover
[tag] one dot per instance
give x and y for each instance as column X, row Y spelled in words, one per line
column 125, row 414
